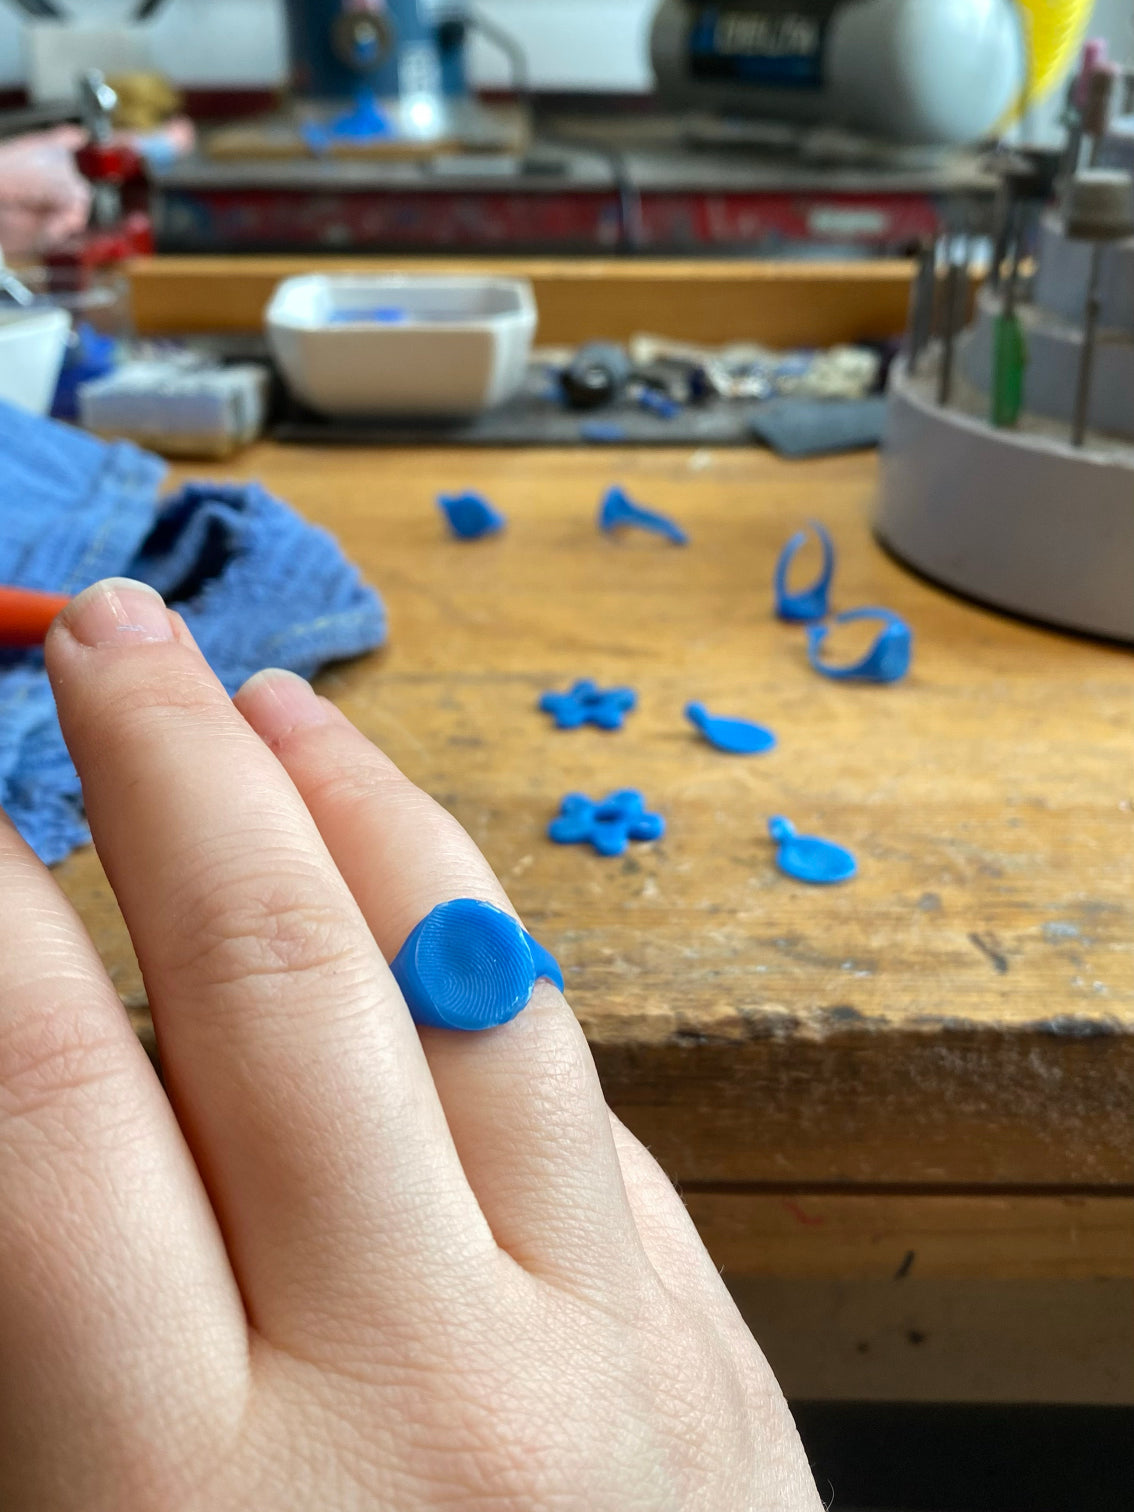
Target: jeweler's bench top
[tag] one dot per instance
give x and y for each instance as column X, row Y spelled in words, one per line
column 961, row 1013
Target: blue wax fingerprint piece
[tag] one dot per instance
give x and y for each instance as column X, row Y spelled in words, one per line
column 609, row 825
column 471, row 516
column 807, row 857
column 468, row 965
column 888, row 659
column 617, row 511
column 602, row 432
column 809, row 603
column 739, row 736
column 586, row 703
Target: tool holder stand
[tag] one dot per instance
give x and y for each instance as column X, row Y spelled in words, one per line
column 1019, row 517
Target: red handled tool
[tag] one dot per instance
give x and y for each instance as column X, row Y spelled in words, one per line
column 26, row 615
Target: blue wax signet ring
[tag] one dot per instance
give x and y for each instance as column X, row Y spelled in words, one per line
column 468, row 965
column 810, row 603
column 888, row 659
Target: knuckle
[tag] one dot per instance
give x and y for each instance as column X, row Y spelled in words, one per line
column 347, row 786
column 176, row 681
column 262, row 924
column 51, row 1059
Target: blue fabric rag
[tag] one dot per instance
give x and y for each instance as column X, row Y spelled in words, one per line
column 257, row 586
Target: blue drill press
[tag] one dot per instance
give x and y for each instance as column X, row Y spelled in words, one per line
column 401, row 62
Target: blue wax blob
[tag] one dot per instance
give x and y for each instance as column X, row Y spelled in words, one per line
column 617, row 511
column 740, row 737
column 470, row 966
column 807, row 604
column 809, row 858
column 365, row 121
column 586, row 703
column 888, row 659
column 656, row 403
column 371, row 315
column 470, row 515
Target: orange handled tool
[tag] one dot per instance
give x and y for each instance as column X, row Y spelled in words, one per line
column 26, row 613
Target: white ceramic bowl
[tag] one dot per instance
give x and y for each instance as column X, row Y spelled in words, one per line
column 401, row 344
column 32, row 345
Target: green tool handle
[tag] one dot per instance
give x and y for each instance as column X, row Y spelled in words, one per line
column 1009, row 357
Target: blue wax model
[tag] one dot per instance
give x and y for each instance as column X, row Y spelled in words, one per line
column 739, row 736
column 807, row 857
column 617, row 511
column 656, row 403
column 809, row 603
column 366, row 121
column 371, row 315
column 608, row 825
column 471, row 516
column 888, row 659
column 586, row 703
column 602, row 432
column 468, row 965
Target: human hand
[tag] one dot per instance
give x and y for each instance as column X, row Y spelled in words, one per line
column 44, row 198
column 336, row 1263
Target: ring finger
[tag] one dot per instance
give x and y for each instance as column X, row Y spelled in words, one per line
column 523, row 1100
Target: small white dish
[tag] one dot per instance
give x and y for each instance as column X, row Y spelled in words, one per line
column 425, row 345
column 33, row 343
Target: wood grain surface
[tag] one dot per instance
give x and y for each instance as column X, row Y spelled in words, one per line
column 892, row 1236
column 962, row 1014
column 704, row 300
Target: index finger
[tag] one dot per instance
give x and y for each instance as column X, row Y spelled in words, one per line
column 111, row 1263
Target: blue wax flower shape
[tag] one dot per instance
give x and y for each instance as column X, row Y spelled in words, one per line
column 807, row 857
column 586, row 703
column 471, row 516
column 468, row 965
column 739, row 736
column 810, row 603
column 608, row 825
column 617, row 511
column 888, row 659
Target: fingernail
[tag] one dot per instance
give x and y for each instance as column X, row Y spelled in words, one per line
column 275, row 702
column 118, row 612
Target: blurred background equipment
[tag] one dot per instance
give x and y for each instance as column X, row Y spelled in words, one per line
column 1009, row 467
column 756, row 126
column 898, row 70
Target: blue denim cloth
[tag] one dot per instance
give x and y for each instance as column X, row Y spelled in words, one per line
column 257, row 586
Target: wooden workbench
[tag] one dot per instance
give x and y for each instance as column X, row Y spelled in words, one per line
column 932, row 1065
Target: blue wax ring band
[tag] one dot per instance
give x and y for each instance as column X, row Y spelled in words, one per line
column 809, row 603
column 888, row 659
column 469, row 965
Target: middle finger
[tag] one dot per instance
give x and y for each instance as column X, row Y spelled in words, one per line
column 290, row 1057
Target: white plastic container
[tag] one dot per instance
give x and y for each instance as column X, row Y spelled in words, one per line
column 32, row 346
column 426, row 345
